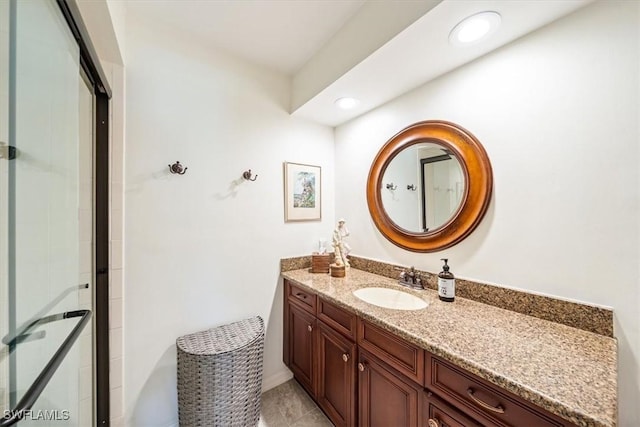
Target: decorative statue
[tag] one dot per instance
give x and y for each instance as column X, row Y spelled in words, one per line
column 340, row 247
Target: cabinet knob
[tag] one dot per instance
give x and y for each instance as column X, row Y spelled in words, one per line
column 360, row 367
column 345, row 357
column 309, row 328
column 433, row 423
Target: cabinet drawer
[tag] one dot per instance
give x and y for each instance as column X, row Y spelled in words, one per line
column 439, row 414
column 481, row 399
column 405, row 357
column 301, row 297
column 338, row 318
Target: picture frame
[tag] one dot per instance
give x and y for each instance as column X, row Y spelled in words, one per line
column 302, row 192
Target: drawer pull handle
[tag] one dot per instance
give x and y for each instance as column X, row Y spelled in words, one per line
column 433, row 423
column 498, row 409
column 345, row 357
column 360, row 367
column 301, row 295
column 309, row 328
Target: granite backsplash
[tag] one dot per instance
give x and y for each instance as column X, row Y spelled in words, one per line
column 582, row 316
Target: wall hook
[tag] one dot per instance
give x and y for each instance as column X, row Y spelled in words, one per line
column 177, row 168
column 411, row 187
column 8, row 152
column 247, row 175
column 390, row 186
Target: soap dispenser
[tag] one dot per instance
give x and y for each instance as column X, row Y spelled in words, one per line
column 446, row 284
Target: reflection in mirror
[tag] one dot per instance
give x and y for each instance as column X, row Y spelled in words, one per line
column 430, row 190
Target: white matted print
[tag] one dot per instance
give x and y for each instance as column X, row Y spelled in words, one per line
column 302, row 192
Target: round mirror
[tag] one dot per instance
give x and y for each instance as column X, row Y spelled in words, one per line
column 429, row 186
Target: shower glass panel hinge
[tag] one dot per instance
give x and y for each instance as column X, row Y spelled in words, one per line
column 8, row 152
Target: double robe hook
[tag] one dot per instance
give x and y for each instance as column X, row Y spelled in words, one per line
column 247, row 175
column 177, row 168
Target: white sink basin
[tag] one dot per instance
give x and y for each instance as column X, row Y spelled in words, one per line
column 390, row 298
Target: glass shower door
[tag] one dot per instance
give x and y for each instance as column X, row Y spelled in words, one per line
column 46, row 220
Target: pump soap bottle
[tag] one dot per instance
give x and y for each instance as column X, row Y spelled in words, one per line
column 446, row 284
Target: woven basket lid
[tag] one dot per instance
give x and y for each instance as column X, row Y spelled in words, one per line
column 223, row 338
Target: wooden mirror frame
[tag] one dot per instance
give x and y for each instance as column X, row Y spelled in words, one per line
column 477, row 173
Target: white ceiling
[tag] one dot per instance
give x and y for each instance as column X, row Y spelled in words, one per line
column 373, row 50
column 279, row 34
column 422, row 52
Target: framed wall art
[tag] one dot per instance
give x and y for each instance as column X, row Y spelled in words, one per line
column 302, row 192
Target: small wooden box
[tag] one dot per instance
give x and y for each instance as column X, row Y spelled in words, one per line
column 320, row 263
column 337, row 271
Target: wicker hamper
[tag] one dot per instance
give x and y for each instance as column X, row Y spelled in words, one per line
column 220, row 375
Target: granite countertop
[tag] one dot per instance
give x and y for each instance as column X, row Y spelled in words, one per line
column 567, row 371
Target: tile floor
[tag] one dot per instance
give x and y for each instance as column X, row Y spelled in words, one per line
column 288, row 405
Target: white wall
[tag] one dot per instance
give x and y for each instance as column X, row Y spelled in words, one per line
column 557, row 112
column 118, row 14
column 203, row 249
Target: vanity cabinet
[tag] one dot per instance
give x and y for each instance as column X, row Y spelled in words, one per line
column 361, row 374
column 320, row 350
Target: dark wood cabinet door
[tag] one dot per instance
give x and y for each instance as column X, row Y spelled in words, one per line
column 302, row 347
column 336, row 388
column 386, row 399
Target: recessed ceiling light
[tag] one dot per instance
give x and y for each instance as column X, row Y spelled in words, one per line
column 474, row 28
column 346, row 103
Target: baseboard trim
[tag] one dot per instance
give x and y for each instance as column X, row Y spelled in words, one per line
column 276, row 379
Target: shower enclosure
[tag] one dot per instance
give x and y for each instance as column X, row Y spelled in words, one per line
column 53, row 274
